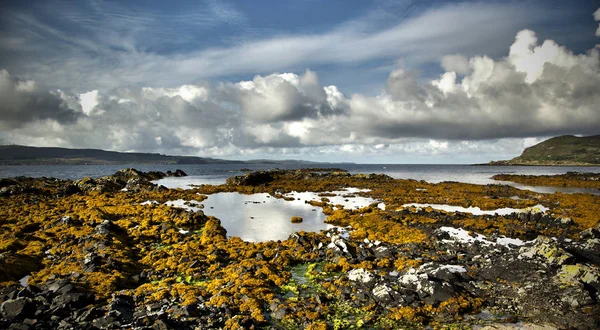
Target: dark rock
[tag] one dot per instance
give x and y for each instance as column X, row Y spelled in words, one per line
column 104, row 228
column 28, row 292
column 106, row 322
column 160, row 325
column 89, row 315
column 122, row 308
column 19, row 308
column 252, row 179
column 71, row 301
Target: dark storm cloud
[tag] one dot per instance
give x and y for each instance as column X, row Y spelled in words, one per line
column 23, row 102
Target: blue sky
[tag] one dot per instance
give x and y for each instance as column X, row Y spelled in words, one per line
column 372, row 52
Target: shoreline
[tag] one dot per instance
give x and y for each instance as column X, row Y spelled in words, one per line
column 97, row 248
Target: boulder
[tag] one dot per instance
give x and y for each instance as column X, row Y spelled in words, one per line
column 19, row 308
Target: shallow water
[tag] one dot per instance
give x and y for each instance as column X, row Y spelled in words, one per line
column 347, row 198
column 476, row 210
column 464, row 236
column 262, row 217
column 551, row 190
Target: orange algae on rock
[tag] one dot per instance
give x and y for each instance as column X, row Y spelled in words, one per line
column 104, row 241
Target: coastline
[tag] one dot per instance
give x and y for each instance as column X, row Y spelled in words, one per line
column 126, row 247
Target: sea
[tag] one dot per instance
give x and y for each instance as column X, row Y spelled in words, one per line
column 218, row 173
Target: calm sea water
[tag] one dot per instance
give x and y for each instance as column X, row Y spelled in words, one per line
column 218, row 173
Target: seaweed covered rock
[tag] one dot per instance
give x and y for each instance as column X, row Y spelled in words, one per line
column 120, row 254
column 127, row 179
column 252, row 179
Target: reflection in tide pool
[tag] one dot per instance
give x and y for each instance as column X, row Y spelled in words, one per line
column 347, row 198
column 477, row 210
column 188, row 182
column 552, row 190
column 261, row 217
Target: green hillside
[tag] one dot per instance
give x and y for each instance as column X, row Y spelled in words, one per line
column 560, row 150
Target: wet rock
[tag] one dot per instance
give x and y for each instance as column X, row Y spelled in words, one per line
column 178, row 173
column 19, row 308
column 252, row 179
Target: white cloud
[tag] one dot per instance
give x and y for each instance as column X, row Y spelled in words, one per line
column 456, row 63
column 538, row 90
column 283, row 97
column 88, row 101
column 186, row 92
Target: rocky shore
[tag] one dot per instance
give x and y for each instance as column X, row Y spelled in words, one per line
column 569, row 179
column 109, row 253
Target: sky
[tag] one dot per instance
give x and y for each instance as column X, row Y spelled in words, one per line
column 339, row 81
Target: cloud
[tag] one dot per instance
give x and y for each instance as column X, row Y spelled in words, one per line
column 456, row 63
column 24, row 101
column 284, row 97
column 537, row 90
column 124, row 55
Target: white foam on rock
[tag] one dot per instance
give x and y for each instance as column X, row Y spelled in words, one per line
column 149, row 203
column 477, row 211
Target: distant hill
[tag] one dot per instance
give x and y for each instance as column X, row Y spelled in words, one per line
column 560, row 150
column 23, row 155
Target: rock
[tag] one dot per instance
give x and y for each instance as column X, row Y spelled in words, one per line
column 589, row 233
column 417, row 282
column 28, row 292
column 296, row 219
column 382, row 294
column 90, row 314
column 441, row 291
column 104, row 228
column 279, row 314
column 547, row 249
column 122, row 307
column 588, row 275
column 19, row 308
column 252, row 179
column 71, row 301
column 360, row 275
